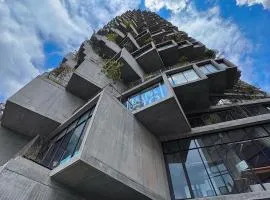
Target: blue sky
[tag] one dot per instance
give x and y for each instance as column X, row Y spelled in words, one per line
column 35, row 34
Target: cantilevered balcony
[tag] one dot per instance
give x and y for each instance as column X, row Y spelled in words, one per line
column 185, row 48
column 231, row 70
column 113, row 173
column 158, row 35
column 216, row 74
column 168, row 51
column 143, row 37
column 39, row 107
column 109, row 48
column 148, row 58
column 155, row 98
column 130, row 71
column 130, row 43
column 120, row 35
column 190, row 86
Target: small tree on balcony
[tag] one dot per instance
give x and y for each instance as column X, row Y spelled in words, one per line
column 112, row 69
column 182, row 60
column 112, row 37
column 210, row 53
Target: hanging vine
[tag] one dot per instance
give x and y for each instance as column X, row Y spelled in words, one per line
column 112, row 69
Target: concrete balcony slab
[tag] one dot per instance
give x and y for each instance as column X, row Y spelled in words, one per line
column 87, row 80
column 39, row 107
column 217, row 79
column 148, row 58
column 109, row 48
column 115, row 172
column 193, row 94
column 131, row 70
column 168, row 52
column 231, row 70
column 155, row 98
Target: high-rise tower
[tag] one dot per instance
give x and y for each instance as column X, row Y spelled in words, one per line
column 141, row 111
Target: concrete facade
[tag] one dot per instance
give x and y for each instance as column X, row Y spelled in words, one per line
column 132, row 157
column 22, row 179
column 39, row 107
column 121, row 152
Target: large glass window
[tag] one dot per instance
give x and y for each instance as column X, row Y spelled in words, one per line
column 183, row 77
column 208, row 69
column 146, row 97
column 67, row 143
column 229, row 162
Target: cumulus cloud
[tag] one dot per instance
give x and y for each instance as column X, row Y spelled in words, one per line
column 26, row 25
column 211, row 29
column 264, row 3
column 214, row 31
column 173, row 5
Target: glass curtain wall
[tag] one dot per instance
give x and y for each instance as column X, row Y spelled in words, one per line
column 231, row 162
column 183, row 77
column 147, row 96
column 208, row 69
column 67, row 143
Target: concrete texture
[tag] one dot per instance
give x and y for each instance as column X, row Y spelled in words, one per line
column 21, row 179
column 121, row 158
column 131, row 70
column 217, row 80
column 10, row 144
column 39, row 107
column 149, row 60
column 192, row 95
column 163, row 118
column 88, row 80
column 168, row 52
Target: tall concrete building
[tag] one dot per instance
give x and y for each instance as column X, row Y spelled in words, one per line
column 141, row 111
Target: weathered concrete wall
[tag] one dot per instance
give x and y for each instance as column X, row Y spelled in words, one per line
column 10, row 144
column 39, row 107
column 21, row 179
column 120, row 142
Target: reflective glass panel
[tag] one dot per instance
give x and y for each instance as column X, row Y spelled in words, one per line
column 211, row 68
column 72, row 143
column 146, row 97
column 178, row 179
column 178, row 78
column 191, row 75
column 200, row 182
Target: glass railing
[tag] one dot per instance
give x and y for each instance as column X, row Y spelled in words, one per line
column 147, row 96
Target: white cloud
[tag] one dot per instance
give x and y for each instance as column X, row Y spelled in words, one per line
column 26, row 25
column 215, row 32
column 172, row 5
column 264, row 3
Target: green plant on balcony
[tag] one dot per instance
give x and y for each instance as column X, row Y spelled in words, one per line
column 112, row 69
column 180, row 37
column 112, row 37
column 210, row 53
column 148, row 40
column 127, row 23
column 182, row 60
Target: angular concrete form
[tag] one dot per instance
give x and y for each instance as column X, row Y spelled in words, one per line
column 148, row 58
column 193, row 94
column 130, row 70
column 169, row 117
column 141, row 111
column 39, row 107
column 168, row 52
column 116, row 172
